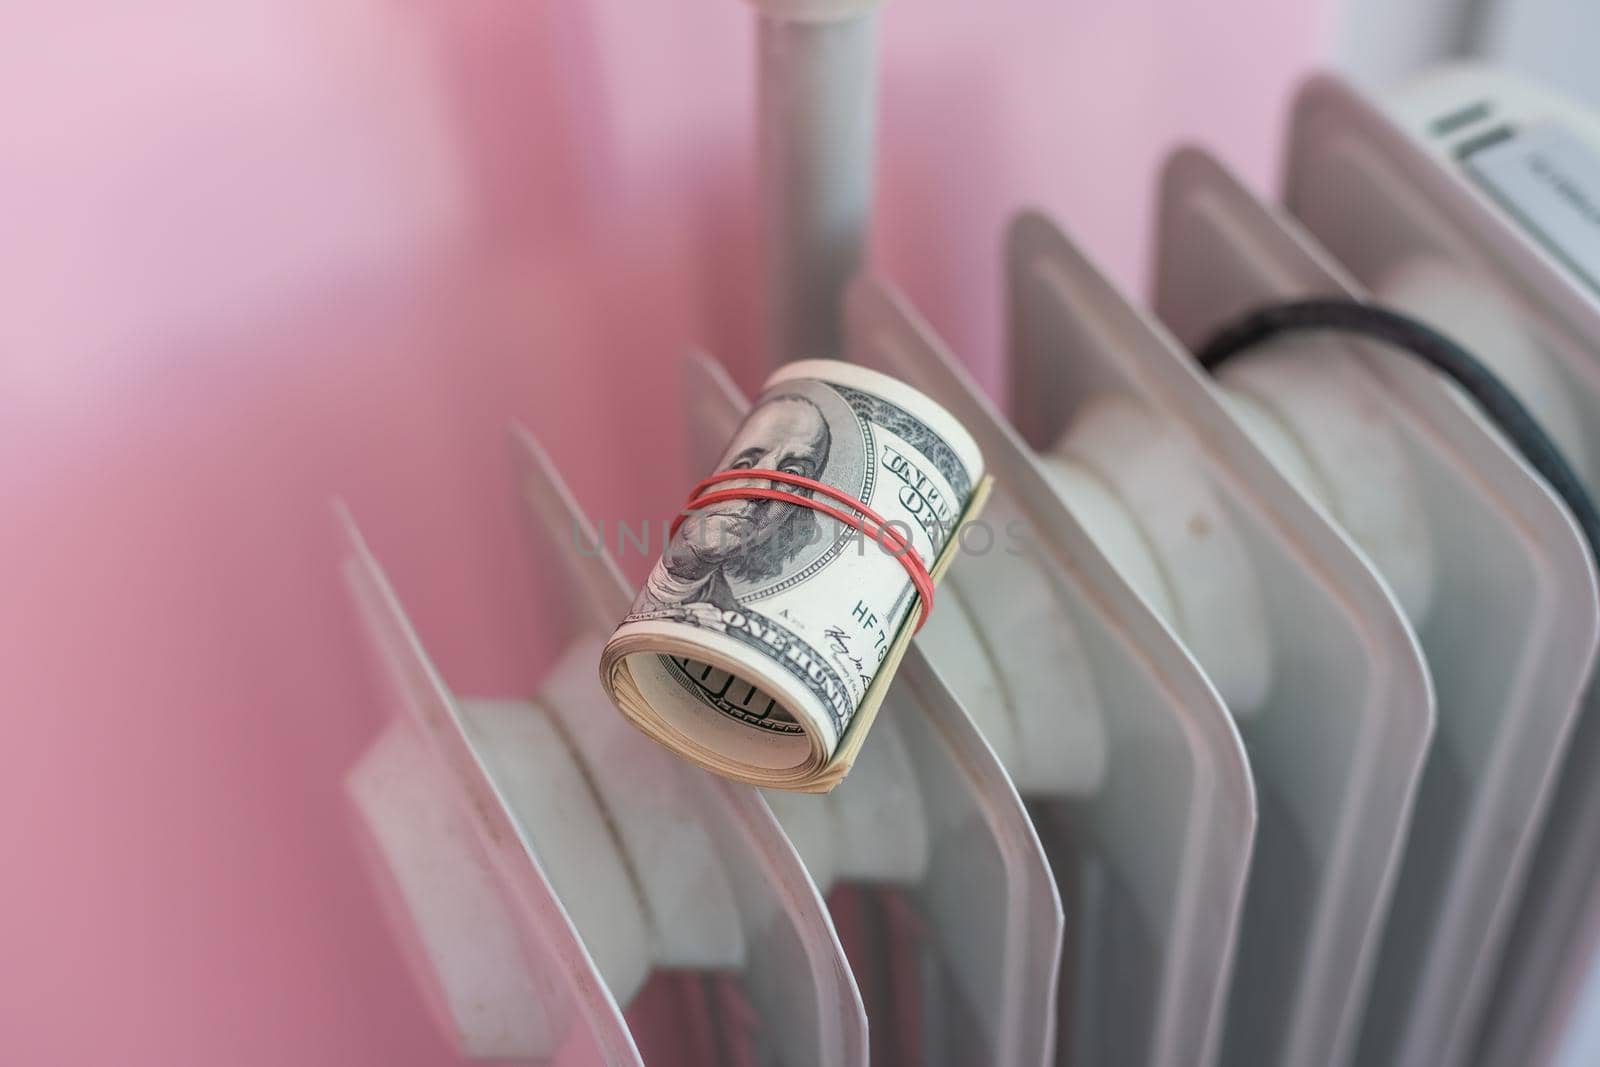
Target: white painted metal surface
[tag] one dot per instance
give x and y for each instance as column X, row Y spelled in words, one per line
column 1521, row 299
column 650, row 865
column 1508, row 623
column 482, row 922
column 1149, row 831
column 1319, row 666
column 817, row 70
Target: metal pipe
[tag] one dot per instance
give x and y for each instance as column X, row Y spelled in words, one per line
column 815, row 120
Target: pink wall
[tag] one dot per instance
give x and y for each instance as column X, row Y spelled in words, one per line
column 261, row 253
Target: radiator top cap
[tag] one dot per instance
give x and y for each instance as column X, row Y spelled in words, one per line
column 814, row 10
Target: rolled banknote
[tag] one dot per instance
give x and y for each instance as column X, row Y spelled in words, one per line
column 759, row 631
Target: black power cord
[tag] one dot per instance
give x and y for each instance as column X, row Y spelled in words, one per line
column 1418, row 338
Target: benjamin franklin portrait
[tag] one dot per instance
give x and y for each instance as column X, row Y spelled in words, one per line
column 747, row 542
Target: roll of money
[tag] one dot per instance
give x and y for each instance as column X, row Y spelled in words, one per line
column 762, row 629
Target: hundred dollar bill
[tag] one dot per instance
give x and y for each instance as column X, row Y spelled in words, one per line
column 755, row 638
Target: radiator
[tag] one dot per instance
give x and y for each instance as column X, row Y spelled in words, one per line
column 1260, row 732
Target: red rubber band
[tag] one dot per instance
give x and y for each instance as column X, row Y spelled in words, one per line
column 897, row 543
column 833, row 492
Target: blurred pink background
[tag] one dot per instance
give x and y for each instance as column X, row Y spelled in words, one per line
column 265, row 252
